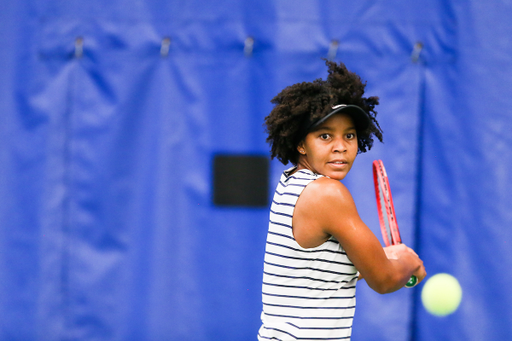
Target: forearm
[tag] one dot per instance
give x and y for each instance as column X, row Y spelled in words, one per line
column 405, row 267
column 393, row 275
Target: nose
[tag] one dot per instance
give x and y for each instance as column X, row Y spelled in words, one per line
column 339, row 146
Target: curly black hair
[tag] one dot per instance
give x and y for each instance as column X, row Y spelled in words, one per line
column 298, row 104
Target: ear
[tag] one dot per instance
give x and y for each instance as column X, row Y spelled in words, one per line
column 301, row 148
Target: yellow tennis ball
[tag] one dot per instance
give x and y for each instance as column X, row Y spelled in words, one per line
column 441, row 294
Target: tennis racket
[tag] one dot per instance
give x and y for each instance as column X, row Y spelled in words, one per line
column 386, row 209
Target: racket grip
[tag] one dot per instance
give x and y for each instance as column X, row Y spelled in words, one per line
column 412, row 282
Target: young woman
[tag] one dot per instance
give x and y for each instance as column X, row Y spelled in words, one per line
column 317, row 245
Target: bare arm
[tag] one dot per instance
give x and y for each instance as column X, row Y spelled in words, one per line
column 326, row 208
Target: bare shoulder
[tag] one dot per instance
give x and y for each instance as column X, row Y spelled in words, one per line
column 326, row 192
column 319, row 205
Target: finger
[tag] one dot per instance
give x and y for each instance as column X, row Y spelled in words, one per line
column 420, row 274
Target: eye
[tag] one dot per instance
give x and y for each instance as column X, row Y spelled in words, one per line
column 324, row 136
column 351, row 136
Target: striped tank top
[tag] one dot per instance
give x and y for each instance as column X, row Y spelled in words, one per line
column 307, row 294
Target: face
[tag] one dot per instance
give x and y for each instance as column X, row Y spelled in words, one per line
column 331, row 148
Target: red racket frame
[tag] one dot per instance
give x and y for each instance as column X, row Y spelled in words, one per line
column 380, row 179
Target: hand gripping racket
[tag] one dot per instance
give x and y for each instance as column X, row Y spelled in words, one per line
column 386, row 209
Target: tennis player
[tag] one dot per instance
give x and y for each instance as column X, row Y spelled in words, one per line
column 317, row 245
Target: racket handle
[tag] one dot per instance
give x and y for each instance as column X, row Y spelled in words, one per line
column 412, row 282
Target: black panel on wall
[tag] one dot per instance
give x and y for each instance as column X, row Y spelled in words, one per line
column 240, row 180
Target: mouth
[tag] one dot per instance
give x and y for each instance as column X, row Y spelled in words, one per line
column 337, row 169
column 338, row 162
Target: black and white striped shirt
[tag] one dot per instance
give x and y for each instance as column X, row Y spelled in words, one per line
column 308, row 294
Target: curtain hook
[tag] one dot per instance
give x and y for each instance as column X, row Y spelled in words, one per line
column 416, row 51
column 79, row 47
column 248, row 47
column 333, row 49
column 164, row 48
